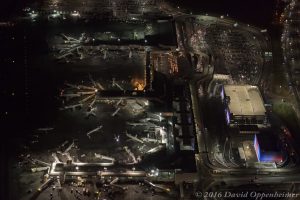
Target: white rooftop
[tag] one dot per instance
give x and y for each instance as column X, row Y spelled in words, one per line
column 245, row 100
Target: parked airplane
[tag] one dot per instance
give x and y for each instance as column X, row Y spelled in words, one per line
column 104, row 157
column 157, row 186
column 45, row 130
column 72, row 107
column 93, row 131
column 116, row 112
column 134, row 138
column 91, row 112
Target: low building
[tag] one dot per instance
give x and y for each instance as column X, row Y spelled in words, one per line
column 259, row 150
column 244, row 105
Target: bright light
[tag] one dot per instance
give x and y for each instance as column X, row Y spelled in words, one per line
column 75, row 13
column 55, row 14
column 33, row 14
column 77, row 168
column 147, row 103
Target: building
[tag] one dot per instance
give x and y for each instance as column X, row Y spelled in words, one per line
column 244, row 107
column 260, row 151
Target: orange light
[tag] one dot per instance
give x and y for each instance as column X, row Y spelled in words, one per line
column 138, row 84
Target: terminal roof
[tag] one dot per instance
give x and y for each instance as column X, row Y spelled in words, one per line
column 245, row 100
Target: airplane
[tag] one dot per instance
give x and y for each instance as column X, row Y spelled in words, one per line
column 105, row 54
column 39, row 169
column 145, row 120
column 56, row 159
column 69, row 148
column 116, row 112
column 104, row 157
column 150, row 140
column 157, row 186
column 118, row 103
column 148, row 119
column 70, row 95
column 93, row 131
column 137, row 124
column 68, row 39
column 116, row 186
column 141, row 147
column 63, row 144
column 119, row 86
column 65, row 55
column 36, row 161
column 155, row 149
column 114, row 181
column 91, row 112
column 45, row 130
column 114, row 83
column 141, row 124
column 72, row 107
column 96, row 85
column 131, row 155
column 134, row 138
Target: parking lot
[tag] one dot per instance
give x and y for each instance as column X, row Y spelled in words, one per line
column 238, row 51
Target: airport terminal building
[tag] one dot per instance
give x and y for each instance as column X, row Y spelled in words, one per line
column 244, row 107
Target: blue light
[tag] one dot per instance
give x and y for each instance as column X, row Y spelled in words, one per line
column 227, row 116
column 257, row 149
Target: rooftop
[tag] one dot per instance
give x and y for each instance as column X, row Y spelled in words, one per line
column 249, row 150
column 244, row 100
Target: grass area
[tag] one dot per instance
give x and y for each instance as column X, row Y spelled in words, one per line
column 278, row 79
column 287, row 114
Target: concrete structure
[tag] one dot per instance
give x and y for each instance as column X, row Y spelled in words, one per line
column 244, row 106
column 250, row 152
